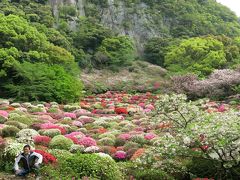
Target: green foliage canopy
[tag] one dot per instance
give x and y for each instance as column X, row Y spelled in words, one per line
column 198, row 55
column 117, row 50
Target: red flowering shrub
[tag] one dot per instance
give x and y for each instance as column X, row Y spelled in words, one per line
column 138, row 153
column 121, row 110
column 47, row 157
column 42, row 140
column 102, row 130
column 10, row 108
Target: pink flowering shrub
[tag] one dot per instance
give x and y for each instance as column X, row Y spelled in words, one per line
column 81, row 112
column 3, row 113
column 87, row 141
column 150, row 106
column 120, row 155
column 221, row 108
column 125, row 136
column 75, row 136
column 142, row 105
column 74, row 139
column 71, row 115
column 149, row 136
column 53, row 126
column 46, row 117
column 139, row 129
column 56, row 116
column 77, row 123
column 42, row 140
column 147, row 110
column 2, row 126
column 219, row 84
column 85, row 120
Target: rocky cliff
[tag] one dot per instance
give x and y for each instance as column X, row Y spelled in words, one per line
column 136, row 19
column 144, row 19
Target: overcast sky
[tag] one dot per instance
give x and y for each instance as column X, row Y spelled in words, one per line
column 234, row 5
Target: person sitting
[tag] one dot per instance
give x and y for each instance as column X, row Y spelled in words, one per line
column 27, row 162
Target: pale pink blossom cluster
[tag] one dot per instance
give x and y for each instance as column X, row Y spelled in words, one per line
column 53, row 126
column 87, row 141
column 125, row 136
column 4, row 113
column 75, row 137
column 218, row 84
column 71, row 115
column 77, row 123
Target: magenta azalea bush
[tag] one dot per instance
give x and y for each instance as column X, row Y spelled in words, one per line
column 149, row 136
column 120, row 155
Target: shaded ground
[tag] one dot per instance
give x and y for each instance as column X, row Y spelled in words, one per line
column 6, row 176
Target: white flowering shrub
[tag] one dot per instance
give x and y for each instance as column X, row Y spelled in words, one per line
column 174, row 108
column 195, row 134
column 26, row 136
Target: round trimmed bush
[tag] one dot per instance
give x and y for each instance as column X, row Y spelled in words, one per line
column 50, row 132
column 26, row 136
column 2, row 119
column 139, row 139
column 27, row 133
column 42, row 140
column 10, row 131
column 107, row 135
column 22, row 119
column 87, row 141
column 130, row 145
column 60, row 142
column 77, row 148
column 107, row 141
column 59, row 153
column 16, row 124
column 86, row 165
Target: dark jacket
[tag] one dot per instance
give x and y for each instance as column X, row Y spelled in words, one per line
column 27, row 162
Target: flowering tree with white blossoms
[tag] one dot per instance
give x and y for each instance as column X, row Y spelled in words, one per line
column 195, row 134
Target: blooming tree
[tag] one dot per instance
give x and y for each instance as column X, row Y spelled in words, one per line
column 211, row 136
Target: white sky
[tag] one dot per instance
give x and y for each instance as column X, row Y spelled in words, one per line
column 234, row 5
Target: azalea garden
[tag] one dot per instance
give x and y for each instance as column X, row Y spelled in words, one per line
column 121, row 89
column 122, row 136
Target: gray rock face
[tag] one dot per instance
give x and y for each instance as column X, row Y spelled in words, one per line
column 136, row 20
